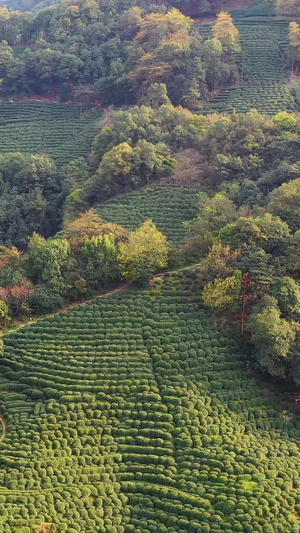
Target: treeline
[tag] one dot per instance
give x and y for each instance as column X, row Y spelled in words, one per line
column 90, row 53
column 88, row 257
column 115, row 7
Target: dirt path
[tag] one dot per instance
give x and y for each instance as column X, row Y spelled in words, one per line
column 20, row 324
column 4, row 429
column 121, row 288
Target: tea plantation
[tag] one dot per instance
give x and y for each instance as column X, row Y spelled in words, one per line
column 263, row 86
column 62, row 131
column 133, row 413
column 167, row 205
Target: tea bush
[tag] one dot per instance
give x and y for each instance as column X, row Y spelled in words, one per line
column 134, row 413
column 168, row 206
column 62, row 131
column 263, row 86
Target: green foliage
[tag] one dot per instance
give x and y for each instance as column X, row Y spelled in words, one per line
column 267, row 231
column 157, row 95
column 272, row 337
column 28, row 185
column 286, row 121
column 124, row 168
column 258, row 264
column 218, row 263
column 56, row 263
column 4, row 313
column 223, row 293
column 166, row 124
column 100, row 254
column 145, row 253
column 45, row 300
column 285, row 203
column 287, row 293
column 75, row 204
column 216, row 212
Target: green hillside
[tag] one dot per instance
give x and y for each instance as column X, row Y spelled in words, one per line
column 136, row 398
column 263, row 86
column 62, row 131
column 135, row 414
column 168, row 206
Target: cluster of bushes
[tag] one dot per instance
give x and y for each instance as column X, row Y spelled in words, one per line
column 259, row 157
column 88, row 257
column 244, row 157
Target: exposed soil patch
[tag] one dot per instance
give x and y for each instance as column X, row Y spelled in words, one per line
column 189, row 171
column 54, row 99
column 46, row 99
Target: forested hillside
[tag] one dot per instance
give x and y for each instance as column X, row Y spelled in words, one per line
column 113, row 56
column 149, row 266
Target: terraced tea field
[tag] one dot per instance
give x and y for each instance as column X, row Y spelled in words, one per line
column 264, row 85
column 62, row 131
column 133, row 413
column 167, row 205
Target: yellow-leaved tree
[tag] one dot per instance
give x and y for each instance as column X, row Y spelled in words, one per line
column 223, row 293
column 162, row 42
column 144, row 254
column 227, row 33
column 294, row 35
column 159, row 28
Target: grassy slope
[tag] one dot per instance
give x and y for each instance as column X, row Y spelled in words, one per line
column 58, row 130
column 168, row 206
column 134, row 413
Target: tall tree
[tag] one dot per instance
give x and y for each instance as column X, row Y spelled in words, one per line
column 88, row 225
column 227, row 33
column 100, row 254
column 158, row 28
column 294, row 36
column 223, row 293
column 285, row 203
column 145, row 253
column 272, row 337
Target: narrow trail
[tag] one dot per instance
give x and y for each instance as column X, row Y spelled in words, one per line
column 121, row 288
column 4, row 429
